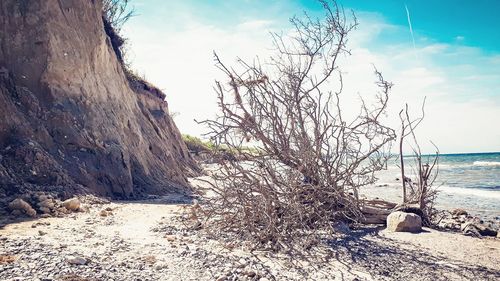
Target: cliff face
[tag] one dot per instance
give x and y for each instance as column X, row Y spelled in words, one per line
column 69, row 117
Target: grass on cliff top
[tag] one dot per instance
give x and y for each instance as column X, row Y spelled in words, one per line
column 197, row 145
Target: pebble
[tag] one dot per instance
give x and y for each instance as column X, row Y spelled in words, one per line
column 76, row 260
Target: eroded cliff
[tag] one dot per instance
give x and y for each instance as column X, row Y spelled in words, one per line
column 70, row 119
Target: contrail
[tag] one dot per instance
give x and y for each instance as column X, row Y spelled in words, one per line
column 411, row 30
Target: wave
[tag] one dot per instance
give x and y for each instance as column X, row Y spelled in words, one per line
column 488, row 193
column 459, row 165
column 486, row 163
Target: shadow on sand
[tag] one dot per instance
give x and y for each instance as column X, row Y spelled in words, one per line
column 384, row 258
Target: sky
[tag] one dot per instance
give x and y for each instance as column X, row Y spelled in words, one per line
column 452, row 59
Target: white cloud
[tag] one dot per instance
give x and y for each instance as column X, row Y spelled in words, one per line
column 460, row 112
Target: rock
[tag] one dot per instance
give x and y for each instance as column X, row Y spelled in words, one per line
column 45, row 210
column 76, row 260
column 342, row 228
column 22, row 206
column 404, row 222
column 17, row 213
column 160, row 266
column 469, row 229
column 459, row 212
column 72, row 204
column 47, row 203
column 485, row 230
column 477, row 229
column 410, row 208
column 170, row 238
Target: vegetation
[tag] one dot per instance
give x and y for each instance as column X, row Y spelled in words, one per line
column 419, row 191
column 115, row 13
column 313, row 159
column 197, row 146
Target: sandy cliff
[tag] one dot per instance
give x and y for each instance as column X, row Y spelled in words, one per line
column 69, row 118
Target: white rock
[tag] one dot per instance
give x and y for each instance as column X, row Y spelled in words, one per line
column 76, row 260
column 404, row 222
column 72, row 204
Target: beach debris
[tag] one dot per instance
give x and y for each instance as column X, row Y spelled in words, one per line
column 4, row 259
column 376, row 211
column 19, row 206
column 404, row 222
column 72, row 204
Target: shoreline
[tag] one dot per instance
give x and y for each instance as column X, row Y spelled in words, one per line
column 147, row 240
column 486, row 208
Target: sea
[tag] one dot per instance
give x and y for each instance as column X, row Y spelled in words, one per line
column 470, row 181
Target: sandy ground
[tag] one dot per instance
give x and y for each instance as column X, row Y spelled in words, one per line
column 145, row 241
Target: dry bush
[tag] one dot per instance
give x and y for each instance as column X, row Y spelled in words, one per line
column 312, row 159
column 420, row 190
column 115, row 13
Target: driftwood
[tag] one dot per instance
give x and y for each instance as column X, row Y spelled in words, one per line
column 376, row 211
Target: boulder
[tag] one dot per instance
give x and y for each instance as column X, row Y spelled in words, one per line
column 47, row 203
column 72, row 204
column 404, row 222
column 477, row 229
column 20, row 205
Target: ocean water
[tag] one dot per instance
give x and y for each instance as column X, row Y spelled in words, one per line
column 468, row 181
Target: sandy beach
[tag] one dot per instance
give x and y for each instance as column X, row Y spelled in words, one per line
column 146, row 240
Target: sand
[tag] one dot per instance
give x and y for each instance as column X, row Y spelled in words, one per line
column 145, row 241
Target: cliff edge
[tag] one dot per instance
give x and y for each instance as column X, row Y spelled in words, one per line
column 70, row 120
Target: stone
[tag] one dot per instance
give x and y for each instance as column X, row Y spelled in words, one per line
column 47, row 203
column 72, row 204
column 404, row 222
column 170, row 238
column 45, row 210
column 76, row 260
column 17, row 213
column 459, row 212
column 342, row 228
column 21, row 205
column 477, row 229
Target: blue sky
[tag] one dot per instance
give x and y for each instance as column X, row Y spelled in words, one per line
column 455, row 62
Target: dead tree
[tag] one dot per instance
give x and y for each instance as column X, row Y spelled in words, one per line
column 312, row 159
column 425, row 168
